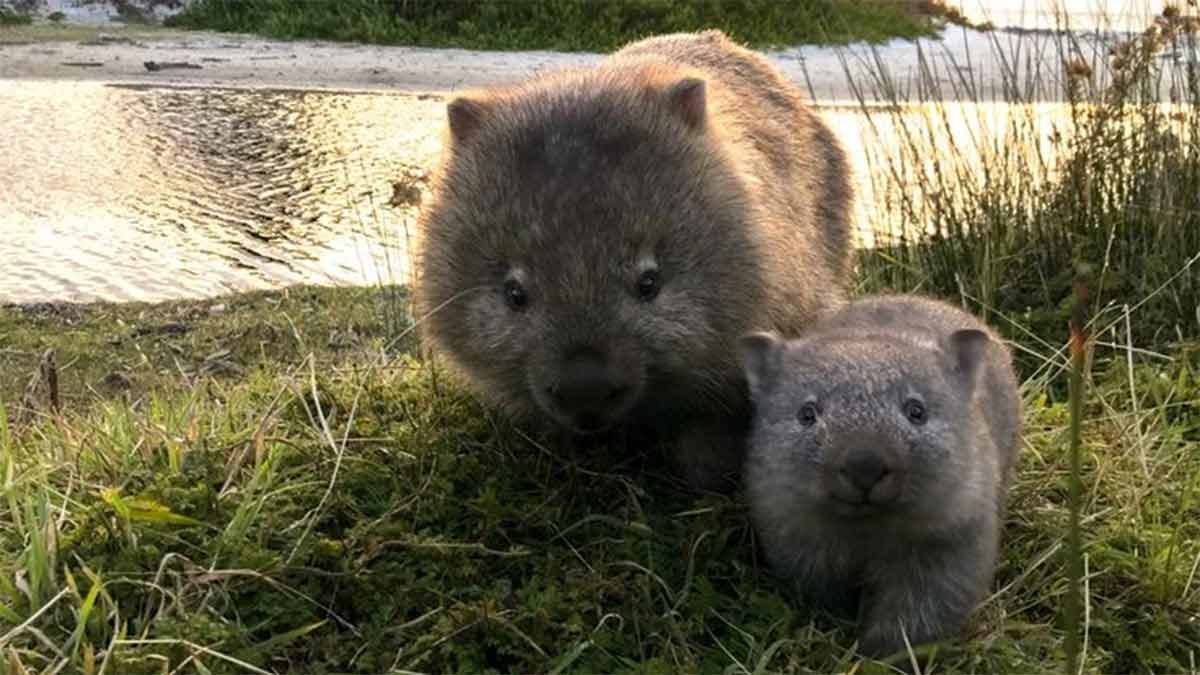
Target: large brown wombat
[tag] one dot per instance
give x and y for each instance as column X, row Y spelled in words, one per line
column 598, row 239
column 882, row 447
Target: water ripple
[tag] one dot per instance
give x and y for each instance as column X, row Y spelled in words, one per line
column 123, row 193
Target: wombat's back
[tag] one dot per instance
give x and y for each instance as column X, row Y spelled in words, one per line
column 924, row 322
column 793, row 164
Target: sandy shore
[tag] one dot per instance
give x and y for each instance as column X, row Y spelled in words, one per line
column 121, row 54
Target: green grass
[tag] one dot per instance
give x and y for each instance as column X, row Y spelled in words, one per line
column 353, row 512
column 566, row 25
column 68, row 32
column 282, row 487
column 130, row 349
column 10, row 18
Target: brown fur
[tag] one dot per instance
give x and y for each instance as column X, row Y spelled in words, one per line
column 684, row 156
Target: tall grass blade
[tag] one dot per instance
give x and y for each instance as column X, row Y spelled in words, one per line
column 1073, row 609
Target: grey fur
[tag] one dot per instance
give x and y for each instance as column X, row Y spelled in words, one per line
column 924, row 555
column 684, row 153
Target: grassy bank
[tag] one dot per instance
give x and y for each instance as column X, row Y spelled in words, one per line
column 134, row 349
column 325, row 507
column 272, row 483
column 566, row 25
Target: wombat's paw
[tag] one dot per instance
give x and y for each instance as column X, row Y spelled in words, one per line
column 886, row 644
column 709, row 456
column 877, row 644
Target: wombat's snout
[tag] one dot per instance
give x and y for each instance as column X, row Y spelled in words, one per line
column 592, row 392
column 867, row 474
column 864, row 471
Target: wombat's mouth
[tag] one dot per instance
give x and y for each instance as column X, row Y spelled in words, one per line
column 592, row 431
column 583, row 422
column 589, row 423
column 853, row 509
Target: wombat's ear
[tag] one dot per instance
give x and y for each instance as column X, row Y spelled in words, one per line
column 967, row 348
column 465, row 116
column 688, row 99
column 760, row 354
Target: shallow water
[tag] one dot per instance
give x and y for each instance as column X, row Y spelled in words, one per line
column 117, row 193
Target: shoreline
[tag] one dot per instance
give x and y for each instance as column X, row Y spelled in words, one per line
column 119, row 55
column 242, row 62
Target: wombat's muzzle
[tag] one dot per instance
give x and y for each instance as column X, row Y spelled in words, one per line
column 868, row 474
column 592, row 391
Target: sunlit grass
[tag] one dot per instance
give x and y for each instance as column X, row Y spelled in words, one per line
column 1008, row 206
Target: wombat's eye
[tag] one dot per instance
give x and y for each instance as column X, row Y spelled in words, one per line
column 808, row 414
column 514, row 295
column 914, row 410
column 648, row 285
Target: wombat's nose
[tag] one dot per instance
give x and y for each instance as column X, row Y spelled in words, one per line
column 864, row 470
column 616, row 392
column 588, row 388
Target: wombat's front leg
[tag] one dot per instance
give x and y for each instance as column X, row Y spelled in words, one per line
column 709, row 455
column 930, row 597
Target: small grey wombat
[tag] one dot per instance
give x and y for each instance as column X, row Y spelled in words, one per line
column 598, row 239
column 879, row 463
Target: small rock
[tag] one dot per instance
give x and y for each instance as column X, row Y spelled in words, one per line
column 115, row 380
column 155, row 66
column 216, row 310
